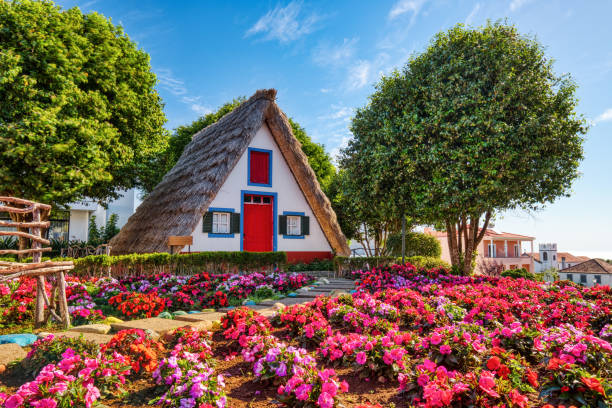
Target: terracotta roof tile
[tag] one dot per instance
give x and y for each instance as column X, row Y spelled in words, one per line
column 591, row 266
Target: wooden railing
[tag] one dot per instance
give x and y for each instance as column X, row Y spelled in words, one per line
column 56, row 303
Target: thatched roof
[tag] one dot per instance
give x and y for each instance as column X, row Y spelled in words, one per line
column 178, row 202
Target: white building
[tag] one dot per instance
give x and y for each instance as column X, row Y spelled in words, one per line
column 589, row 273
column 241, row 184
column 548, row 257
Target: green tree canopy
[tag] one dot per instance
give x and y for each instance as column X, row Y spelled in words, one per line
column 79, row 116
column 318, row 159
column 476, row 124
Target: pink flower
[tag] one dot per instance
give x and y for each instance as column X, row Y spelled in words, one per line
column 435, row 338
column 423, row 380
column 44, row 403
column 329, row 388
column 303, row 392
column 361, row 357
column 13, row 401
column 445, row 349
column 325, row 400
column 487, row 382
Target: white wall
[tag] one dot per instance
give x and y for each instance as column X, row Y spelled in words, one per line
column 606, row 279
column 79, row 222
column 124, row 206
column 290, row 198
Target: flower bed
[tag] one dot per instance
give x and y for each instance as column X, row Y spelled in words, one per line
column 405, row 339
column 92, row 300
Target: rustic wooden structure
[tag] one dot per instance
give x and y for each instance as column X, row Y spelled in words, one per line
column 176, row 242
column 81, row 252
column 56, row 303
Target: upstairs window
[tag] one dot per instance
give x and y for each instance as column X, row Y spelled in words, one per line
column 260, row 167
column 598, row 279
column 544, row 256
column 583, row 279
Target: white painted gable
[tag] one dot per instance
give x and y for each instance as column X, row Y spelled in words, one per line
column 290, row 198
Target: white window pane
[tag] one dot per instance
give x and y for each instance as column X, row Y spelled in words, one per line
column 294, row 225
column 221, row 223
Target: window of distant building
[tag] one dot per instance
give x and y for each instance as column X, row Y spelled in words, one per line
column 583, row 279
column 597, row 279
column 544, row 256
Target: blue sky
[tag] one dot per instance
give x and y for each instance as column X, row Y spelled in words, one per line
column 324, row 57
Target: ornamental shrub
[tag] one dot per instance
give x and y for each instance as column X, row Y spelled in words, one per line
column 134, row 305
column 518, row 273
column 50, row 349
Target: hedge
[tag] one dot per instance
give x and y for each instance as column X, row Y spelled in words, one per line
column 178, row 264
column 345, row 264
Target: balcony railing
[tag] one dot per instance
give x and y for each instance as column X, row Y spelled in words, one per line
column 503, row 256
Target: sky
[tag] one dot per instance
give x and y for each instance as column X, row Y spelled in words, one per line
column 325, row 57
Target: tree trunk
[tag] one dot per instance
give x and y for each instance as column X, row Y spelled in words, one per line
column 465, row 229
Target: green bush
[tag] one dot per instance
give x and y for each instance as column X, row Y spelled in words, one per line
column 427, row 262
column 315, row 265
column 518, row 273
column 417, row 244
column 344, row 263
column 50, row 349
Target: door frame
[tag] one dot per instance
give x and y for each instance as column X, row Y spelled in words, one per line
column 274, row 216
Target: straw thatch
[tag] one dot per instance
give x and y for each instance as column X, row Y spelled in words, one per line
column 178, row 202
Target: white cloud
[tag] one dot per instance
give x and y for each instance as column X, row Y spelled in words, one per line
column 470, row 18
column 285, row 23
column 326, row 54
column 170, row 83
column 325, row 90
column 338, row 112
column 517, row 4
column 359, row 75
column 406, row 6
column 604, row 117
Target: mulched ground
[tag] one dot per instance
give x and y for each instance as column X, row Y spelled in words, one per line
column 241, row 390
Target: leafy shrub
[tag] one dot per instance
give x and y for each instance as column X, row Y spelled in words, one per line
column 518, row 273
column 417, row 244
column 50, row 349
column 427, row 262
column 315, row 265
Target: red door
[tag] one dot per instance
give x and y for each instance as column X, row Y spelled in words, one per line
column 258, row 216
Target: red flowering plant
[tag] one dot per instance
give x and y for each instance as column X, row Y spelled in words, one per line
column 574, row 385
column 138, row 347
column 456, row 346
column 135, row 305
column 306, row 323
column 312, row 388
column 86, row 316
column 17, row 300
column 191, row 340
column 374, row 356
column 244, row 321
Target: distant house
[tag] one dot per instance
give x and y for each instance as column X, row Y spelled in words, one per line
column 242, row 184
column 497, row 250
column 72, row 223
column 548, row 258
column 589, row 273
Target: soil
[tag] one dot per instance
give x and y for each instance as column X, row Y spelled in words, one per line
column 241, row 389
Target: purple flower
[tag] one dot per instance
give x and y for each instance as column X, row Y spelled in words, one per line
column 281, row 371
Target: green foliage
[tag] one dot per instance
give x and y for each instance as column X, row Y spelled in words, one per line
column 318, row 159
column 550, row 275
column 315, row 265
column 477, row 123
column 79, row 112
column 427, row 262
column 417, row 244
column 9, row 243
column 518, row 273
column 140, row 264
column 98, row 236
column 50, row 349
column 344, row 263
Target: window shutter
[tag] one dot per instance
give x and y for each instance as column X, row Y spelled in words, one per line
column 207, row 222
column 235, row 223
column 305, row 225
column 282, row 224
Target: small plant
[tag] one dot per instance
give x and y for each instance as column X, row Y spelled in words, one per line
column 139, row 348
column 50, row 349
column 138, row 305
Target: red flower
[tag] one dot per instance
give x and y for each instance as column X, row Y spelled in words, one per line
column 493, row 363
column 593, row 383
column 532, row 377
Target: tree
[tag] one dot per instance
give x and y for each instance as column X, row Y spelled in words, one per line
column 79, row 116
column 318, row 159
column 477, row 124
column 361, row 214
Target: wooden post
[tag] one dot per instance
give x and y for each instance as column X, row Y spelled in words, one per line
column 63, row 302
column 39, row 317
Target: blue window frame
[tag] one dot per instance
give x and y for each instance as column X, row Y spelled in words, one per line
column 274, row 215
column 253, row 149
column 221, row 210
column 300, row 214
